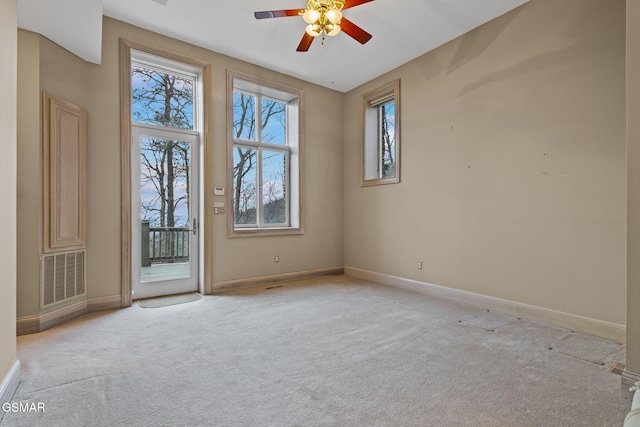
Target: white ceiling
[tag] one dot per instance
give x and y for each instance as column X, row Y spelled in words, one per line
column 402, row 30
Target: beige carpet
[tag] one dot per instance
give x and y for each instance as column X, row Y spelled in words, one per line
column 168, row 300
column 331, row 351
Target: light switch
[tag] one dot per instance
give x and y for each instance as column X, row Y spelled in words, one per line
column 218, row 208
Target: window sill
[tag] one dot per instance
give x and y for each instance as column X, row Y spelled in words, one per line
column 265, row 232
column 380, row 181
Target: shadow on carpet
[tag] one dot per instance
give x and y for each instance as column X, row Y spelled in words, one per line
column 168, row 300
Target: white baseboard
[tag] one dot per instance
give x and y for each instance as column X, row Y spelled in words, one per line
column 64, row 314
column 34, row 324
column 256, row 282
column 611, row 331
column 104, row 303
column 9, row 385
column 27, row 325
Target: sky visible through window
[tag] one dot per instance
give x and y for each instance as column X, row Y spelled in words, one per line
column 388, row 139
column 259, row 172
column 163, row 99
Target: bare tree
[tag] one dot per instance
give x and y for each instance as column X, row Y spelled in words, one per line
column 244, row 125
column 165, row 100
column 388, row 140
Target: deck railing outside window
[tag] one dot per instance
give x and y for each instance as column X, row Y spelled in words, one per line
column 164, row 244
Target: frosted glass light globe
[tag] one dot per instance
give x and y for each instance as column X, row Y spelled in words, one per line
column 313, row 30
column 332, row 29
column 334, row 16
column 310, row 16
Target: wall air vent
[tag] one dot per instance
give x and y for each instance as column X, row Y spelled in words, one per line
column 63, row 277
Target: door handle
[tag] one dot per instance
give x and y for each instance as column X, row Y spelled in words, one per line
column 195, row 226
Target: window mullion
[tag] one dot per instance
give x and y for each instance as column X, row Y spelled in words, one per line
column 258, row 118
column 287, row 194
column 259, row 179
column 380, row 142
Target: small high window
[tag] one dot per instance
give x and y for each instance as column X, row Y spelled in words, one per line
column 381, row 145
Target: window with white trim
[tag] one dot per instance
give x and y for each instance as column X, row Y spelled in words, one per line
column 381, row 135
column 264, row 158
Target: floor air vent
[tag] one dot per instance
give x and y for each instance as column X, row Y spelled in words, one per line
column 63, row 277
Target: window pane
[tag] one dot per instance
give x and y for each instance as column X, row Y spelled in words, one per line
column 388, row 139
column 244, row 113
column 161, row 99
column 164, row 207
column 245, row 189
column 274, row 187
column 274, row 122
column 164, row 182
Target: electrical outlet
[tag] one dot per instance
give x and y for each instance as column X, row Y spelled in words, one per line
column 419, row 265
column 277, row 258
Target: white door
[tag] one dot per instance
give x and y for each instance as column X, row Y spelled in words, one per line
column 164, row 197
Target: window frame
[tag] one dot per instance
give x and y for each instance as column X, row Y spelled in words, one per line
column 372, row 102
column 292, row 149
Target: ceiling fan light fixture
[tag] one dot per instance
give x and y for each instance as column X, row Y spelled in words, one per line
column 314, row 30
column 334, row 16
column 323, row 17
column 332, row 29
column 310, row 16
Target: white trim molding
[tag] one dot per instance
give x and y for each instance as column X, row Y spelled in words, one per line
column 113, row 302
column 34, row 324
column 611, row 331
column 9, row 385
column 62, row 315
column 27, row 325
column 256, row 282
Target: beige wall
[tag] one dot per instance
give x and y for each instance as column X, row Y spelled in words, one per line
column 29, row 172
column 97, row 88
column 42, row 66
column 513, row 173
column 8, row 91
column 633, row 190
column 513, row 163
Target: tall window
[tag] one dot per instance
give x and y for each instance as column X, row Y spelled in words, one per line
column 381, row 153
column 163, row 106
column 264, row 159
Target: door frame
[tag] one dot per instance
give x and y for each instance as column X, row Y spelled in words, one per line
column 205, row 274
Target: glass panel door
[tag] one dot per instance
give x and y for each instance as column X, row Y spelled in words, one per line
column 164, row 200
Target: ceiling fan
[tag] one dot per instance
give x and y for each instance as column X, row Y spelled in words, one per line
column 323, row 17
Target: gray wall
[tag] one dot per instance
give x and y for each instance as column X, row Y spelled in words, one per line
column 513, row 163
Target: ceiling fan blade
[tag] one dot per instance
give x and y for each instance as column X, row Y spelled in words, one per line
column 277, row 13
column 305, row 43
column 354, row 3
column 354, row 31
